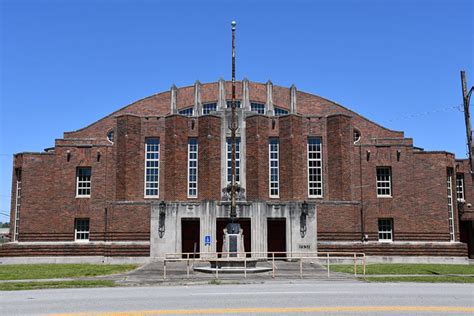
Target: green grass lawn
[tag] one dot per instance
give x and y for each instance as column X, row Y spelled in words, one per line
column 51, row 271
column 423, row 279
column 392, row 268
column 12, row 286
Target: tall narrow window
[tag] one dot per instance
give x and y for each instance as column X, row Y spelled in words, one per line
column 192, row 167
column 460, row 187
column 385, row 229
column 257, row 107
column 152, row 167
column 17, row 204
column 315, row 167
column 208, row 108
column 384, row 182
column 81, row 229
column 449, row 183
column 83, row 182
column 229, row 160
column 274, row 176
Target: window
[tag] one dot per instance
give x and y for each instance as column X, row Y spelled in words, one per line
column 192, row 167
column 384, row 182
column 450, row 203
column 83, row 181
column 152, row 167
column 257, row 107
column 81, row 229
column 273, row 157
column 315, row 167
column 229, row 160
column 460, row 187
column 110, row 136
column 356, row 136
column 187, row 112
column 237, row 104
column 385, row 229
column 17, row 204
column 208, row 108
column 280, row 111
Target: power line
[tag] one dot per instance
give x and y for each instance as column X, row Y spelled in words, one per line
column 427, row 113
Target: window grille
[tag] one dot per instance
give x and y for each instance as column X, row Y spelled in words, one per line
column 192, row 167
column 83, row 181
column 384, row 182
column 257, row 108
column 385, row 229
column 82, row 229
column 152, row 167
column 229, row 160
column 315, row 167
column 274, row 176
column 208, row 108
column 187, row 112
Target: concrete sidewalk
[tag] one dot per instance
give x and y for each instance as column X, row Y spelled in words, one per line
column 152, row 274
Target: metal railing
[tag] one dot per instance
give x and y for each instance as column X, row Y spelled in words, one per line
column 357, row 258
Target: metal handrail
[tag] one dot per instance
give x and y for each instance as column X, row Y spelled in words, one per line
column 265, row 257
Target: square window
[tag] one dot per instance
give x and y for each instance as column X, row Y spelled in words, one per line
column 385, row 229
column 81, row 229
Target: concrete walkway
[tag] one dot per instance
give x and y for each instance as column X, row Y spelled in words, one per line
column 152, row 274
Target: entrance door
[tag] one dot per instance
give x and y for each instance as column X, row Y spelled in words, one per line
column 467, row 236
column 276, row 236
column 221, row 223
column 190, row 236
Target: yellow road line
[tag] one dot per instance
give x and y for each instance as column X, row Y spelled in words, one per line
column 440, row 309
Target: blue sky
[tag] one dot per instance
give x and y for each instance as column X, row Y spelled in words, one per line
column 65, row 64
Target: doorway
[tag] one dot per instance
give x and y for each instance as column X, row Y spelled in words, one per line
column 245, row 224
column 466, row 229
column 276, row 236
column 190, row 236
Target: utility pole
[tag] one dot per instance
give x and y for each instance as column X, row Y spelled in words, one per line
column 466, row 96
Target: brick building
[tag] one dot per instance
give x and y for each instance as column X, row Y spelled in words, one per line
column 150, row 179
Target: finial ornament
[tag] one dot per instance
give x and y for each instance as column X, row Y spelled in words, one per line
column 233, row 23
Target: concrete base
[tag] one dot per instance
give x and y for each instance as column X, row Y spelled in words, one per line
column 236, row 265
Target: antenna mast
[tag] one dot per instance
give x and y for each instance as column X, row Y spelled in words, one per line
column 233, row 129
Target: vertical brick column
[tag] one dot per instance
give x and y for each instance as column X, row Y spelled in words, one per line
column 339, row 147
column 130, row 158
column 175, row 157
column 257, row 128
column 209, row 160
column 293, row 171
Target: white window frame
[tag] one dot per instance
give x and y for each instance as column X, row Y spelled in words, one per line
column 193, row 151
column 229, row 160
column 16, row 230
column 154, row 163
column 81, row 233
column 387, row 230
column 83, row 183
column 206, row 108
column 258, row 108
column 460, row 187
column 316, row 164
column 384, row 182
column 274, row 165
column 449, row 186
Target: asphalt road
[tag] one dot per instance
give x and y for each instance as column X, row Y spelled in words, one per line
column 311, row 297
